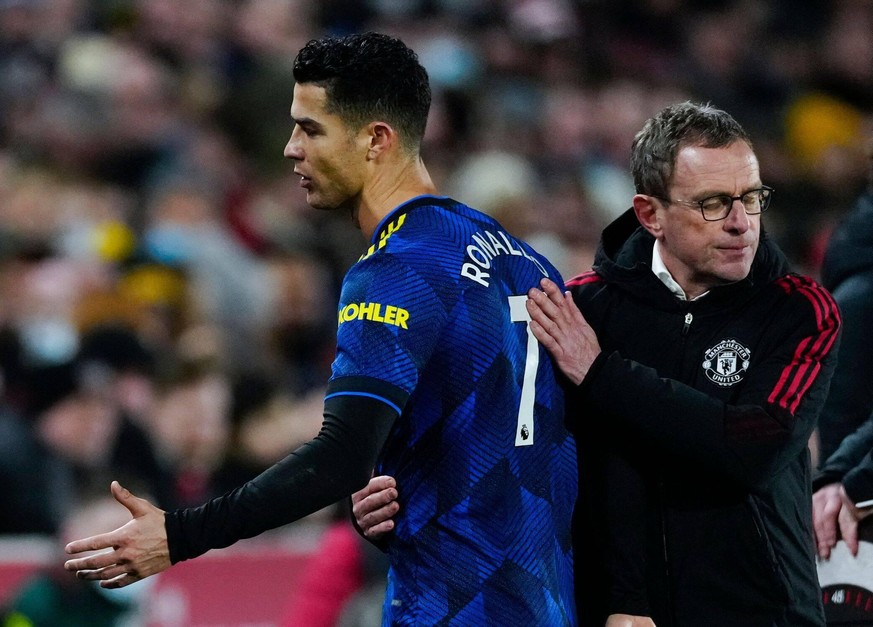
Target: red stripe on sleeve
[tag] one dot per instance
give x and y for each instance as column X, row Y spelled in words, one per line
column 799, row 375
column 583, row 279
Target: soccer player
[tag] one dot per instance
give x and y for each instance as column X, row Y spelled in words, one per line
column 438, row 380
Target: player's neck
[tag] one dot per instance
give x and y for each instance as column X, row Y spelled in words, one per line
column 389, row 188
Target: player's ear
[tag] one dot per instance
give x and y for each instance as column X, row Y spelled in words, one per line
column 647, row 210
column 381, row 138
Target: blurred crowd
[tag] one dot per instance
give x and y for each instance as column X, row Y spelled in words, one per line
column 167, row 298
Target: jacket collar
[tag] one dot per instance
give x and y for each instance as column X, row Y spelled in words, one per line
column 624, row 256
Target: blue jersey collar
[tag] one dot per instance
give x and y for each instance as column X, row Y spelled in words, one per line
column 405, row 207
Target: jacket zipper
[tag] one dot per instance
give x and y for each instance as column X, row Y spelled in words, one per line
column 688, row 319
column 686, row 326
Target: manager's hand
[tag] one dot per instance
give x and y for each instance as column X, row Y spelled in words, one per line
column 559, row 326
column 136, row 550
column 374, row 507
column 626, row 620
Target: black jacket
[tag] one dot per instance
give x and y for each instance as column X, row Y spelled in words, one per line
column 847, row 272
column 692, row 428
column 847, row 453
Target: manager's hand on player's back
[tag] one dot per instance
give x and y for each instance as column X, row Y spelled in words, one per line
column 558, row 325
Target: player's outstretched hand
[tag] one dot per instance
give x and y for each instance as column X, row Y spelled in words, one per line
column 132, row 552
column 374, row 507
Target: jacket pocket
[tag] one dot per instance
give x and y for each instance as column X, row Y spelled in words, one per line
column 770, row 561
column 722, row 556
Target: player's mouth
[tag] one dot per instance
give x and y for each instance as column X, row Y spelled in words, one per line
column 305, row 181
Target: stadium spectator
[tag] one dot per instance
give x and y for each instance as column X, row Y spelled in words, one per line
column 847, row 271
column 844, row 485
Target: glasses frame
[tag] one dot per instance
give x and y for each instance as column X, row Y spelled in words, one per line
column 699, row 203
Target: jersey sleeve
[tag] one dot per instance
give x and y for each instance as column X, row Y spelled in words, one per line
column 338, row 461
column 389, row 320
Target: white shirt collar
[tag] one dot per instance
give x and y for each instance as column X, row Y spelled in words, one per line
column 665, row 277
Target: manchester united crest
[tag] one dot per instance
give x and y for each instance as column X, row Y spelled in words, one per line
column 726, row 362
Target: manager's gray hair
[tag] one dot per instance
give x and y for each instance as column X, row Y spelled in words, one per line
column 654, row 149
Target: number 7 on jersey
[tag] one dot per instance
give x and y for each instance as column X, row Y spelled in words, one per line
column 524, row 429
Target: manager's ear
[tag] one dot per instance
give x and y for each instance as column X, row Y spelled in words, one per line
column 381, row 139
column 648, row 211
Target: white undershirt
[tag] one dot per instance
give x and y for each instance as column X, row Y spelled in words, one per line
column 665, row 277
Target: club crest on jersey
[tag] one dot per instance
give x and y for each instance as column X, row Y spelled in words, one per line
column 726, row 362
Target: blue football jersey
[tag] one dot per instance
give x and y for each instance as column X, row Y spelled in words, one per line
column 432, row 320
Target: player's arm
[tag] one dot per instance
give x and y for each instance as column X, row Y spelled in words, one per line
column 336, row 462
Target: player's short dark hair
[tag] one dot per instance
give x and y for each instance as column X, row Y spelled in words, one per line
column 654, row 149
column 367, row 77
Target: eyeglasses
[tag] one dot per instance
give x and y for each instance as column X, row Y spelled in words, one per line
column 718, row 207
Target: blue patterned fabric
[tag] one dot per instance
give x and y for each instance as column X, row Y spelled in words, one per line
column 485, row 468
